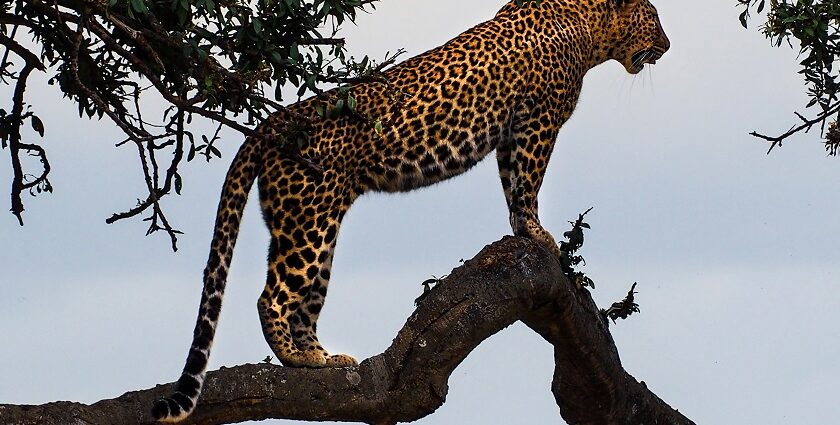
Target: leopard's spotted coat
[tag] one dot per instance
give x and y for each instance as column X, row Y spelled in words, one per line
column 507, row 85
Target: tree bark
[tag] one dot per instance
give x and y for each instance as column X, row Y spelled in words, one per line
column 509, row 280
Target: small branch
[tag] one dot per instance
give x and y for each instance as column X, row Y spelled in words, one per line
column 624, row 308
column 513, row 279
column 11, row 19
column 45, row 163
column 137, row 36
column 141, row 67
column 155, row 195
column 30, row 58
column 141, row 206
column 16, row 120
column 322, row 42
column 806, row 126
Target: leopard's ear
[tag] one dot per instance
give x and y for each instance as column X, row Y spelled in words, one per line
column 623, row 5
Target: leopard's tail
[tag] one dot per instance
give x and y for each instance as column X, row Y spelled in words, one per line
column 240, row 177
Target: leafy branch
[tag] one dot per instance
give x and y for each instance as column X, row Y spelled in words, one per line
column 569, row 247
column 569, row 260
column 624, row 308
column 814, row 24
column 428, row 285
column 226, row 61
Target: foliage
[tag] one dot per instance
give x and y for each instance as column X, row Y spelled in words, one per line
column 624, row 308
column 569, row 260
column 814, row 25
column 569, row 248
column 428, row 285
column 224, row 60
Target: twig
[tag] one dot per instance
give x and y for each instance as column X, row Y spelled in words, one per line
column 42, row 154
column 806, row 126
column 16, row 120
column 624, row 308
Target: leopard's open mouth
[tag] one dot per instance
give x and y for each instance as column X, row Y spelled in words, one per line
column 646, row 56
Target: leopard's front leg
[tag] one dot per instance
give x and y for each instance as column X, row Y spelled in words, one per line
column 523, row 159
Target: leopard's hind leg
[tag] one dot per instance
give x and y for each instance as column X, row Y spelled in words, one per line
column 303, row 210
column 304, row 322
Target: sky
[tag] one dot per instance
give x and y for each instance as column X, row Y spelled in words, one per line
column 734, row 250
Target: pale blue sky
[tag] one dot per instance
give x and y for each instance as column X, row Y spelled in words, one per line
column 735, row 251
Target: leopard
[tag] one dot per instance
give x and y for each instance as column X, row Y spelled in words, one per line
column 506, row 85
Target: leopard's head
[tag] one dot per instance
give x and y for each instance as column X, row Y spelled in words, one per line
column 635, row 34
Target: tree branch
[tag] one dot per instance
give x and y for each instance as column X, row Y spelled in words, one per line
column 513, row 279
column 30, row 58
column 806, row 126
column 214, row 60
column 16, row 120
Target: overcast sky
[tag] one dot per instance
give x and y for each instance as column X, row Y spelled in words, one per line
column 735, row 251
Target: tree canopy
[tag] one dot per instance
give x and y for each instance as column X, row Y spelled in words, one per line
column 813, row 25
column 224, row 60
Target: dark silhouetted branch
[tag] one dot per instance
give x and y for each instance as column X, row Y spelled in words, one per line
column 198, row 58
column 511, row 280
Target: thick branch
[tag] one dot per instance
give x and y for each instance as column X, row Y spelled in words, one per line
column 513, row 279
column 30, row 58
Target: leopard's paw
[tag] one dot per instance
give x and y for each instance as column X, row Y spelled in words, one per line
column 341, row 360
column 309, row 358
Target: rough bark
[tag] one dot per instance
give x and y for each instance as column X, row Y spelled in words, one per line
column 513, row 279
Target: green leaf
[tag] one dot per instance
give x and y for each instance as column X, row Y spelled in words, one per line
column 191, row 154
column 139, row 6
column 37, row 125
column 294, row 53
